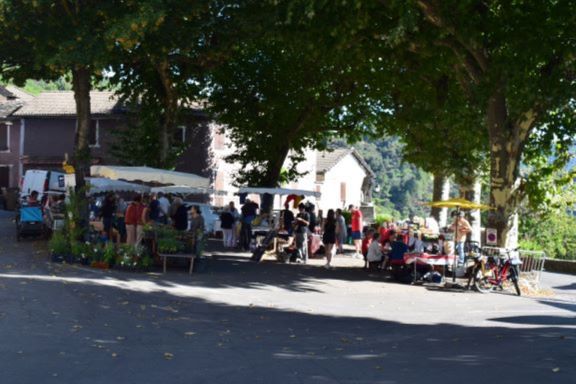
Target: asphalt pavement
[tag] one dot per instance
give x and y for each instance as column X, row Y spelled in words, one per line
column 240, row 322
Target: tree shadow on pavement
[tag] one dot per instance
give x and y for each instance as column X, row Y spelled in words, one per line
column 85, row 330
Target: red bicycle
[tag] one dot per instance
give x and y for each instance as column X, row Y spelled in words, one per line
column 495, row 270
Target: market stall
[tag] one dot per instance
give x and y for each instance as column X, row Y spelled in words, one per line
column 151, row 175
column 268, row 231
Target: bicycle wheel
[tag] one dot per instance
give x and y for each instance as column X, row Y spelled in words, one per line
column 482, row 281
column 514, row 276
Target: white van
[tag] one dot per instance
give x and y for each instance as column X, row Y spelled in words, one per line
column 43, row 182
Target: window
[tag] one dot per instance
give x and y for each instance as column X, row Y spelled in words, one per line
column 343, row 192
column 180, row 135
column 4, row 137
column 4, row 176
column 94, row 133
column 219, row 139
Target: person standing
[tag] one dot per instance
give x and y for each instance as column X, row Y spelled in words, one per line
column 462, row 228
column 302, row 222
column 356, row 230
column 329, row 237
column 197, row 229
column 249, row 210
column 107, row 213
column 154, row 209
column 341, row 232
column 164, row 205
column 144, row 219
column 227, row 223
column 180, row 215
column 133, row 218
column 287, row 219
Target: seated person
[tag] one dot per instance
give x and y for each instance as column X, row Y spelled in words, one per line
column 415, row 243
column 397, row 250
column 375, row 256
column 33, row 199
column 366, row 241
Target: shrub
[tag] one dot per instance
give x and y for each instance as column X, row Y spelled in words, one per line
column 58, row 244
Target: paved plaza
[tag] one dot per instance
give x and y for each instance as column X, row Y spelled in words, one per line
column 240, row 322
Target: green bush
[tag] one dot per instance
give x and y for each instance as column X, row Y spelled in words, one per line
column 58, row 244
column 383, row 218
column 553, row 234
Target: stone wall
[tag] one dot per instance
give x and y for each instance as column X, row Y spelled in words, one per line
column 560, row 266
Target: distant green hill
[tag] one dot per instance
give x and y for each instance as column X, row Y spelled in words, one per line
column 401, row 186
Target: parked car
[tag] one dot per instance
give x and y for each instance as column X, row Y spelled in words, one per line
column 42, row 181
column 211, row 218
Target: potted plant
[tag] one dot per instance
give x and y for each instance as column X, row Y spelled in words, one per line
column 125, row 257
column 109, row 254
column 59, row 247
column 80, row 252
column 169, row 245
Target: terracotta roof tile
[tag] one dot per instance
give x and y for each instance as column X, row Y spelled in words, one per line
column 326, row 160
column 57, row 104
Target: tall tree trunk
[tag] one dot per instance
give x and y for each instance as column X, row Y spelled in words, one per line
column 472, row 190
column 507, row 140
column 441, row 191
column 272, row 176
column 81, row 85
column 170, row 110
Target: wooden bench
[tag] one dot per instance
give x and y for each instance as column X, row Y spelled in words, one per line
column 165, row 257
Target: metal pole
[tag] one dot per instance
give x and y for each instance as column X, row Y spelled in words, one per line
column 455, row 245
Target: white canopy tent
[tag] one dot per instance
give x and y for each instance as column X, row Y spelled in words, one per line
column 102, row 185
column 184, row 190
column 148, row 174
column 279, row 191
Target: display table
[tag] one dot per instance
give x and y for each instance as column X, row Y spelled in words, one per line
column 165, row 256
column 423, row 258
column 429, row 259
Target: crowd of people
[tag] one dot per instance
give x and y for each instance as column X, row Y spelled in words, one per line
column 126, row 221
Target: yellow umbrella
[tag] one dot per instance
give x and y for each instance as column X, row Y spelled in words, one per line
column 458, row 203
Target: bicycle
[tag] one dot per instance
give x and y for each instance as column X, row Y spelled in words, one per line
column 492, row 270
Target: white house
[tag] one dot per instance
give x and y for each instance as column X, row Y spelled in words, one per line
column 341, row 176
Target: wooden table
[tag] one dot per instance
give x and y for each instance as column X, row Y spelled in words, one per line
column 165, row 257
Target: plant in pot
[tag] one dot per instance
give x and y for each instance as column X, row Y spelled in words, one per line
column 125, row 256
column 109, row 254
column 59, row 247
column 169, row 245
column 80, row 252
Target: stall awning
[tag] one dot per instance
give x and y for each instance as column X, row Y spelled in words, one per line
column 184, row 190
column 279, row 191
column 153, row 175
column 102, row 185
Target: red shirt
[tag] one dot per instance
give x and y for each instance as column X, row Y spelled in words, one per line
column 384, row 235
column 366, row 241
column 356, row 220
column 133, row 214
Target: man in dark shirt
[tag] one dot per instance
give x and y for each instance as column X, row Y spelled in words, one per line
column 288, row 219
column 302, row 222
column 248, row 215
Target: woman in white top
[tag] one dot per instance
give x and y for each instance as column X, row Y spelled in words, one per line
column 375, row 249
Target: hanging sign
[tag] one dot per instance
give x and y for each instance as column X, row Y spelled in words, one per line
column 491, row 236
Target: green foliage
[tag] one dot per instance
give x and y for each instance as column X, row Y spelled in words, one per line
column 554, row 234
column 347, row 216
column 169, row 245
column 383, row 218
column 59, row 244
column 109, row 253
column 401, row 186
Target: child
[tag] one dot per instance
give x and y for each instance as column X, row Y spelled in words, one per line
column 366, row 241
column 374, row 255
